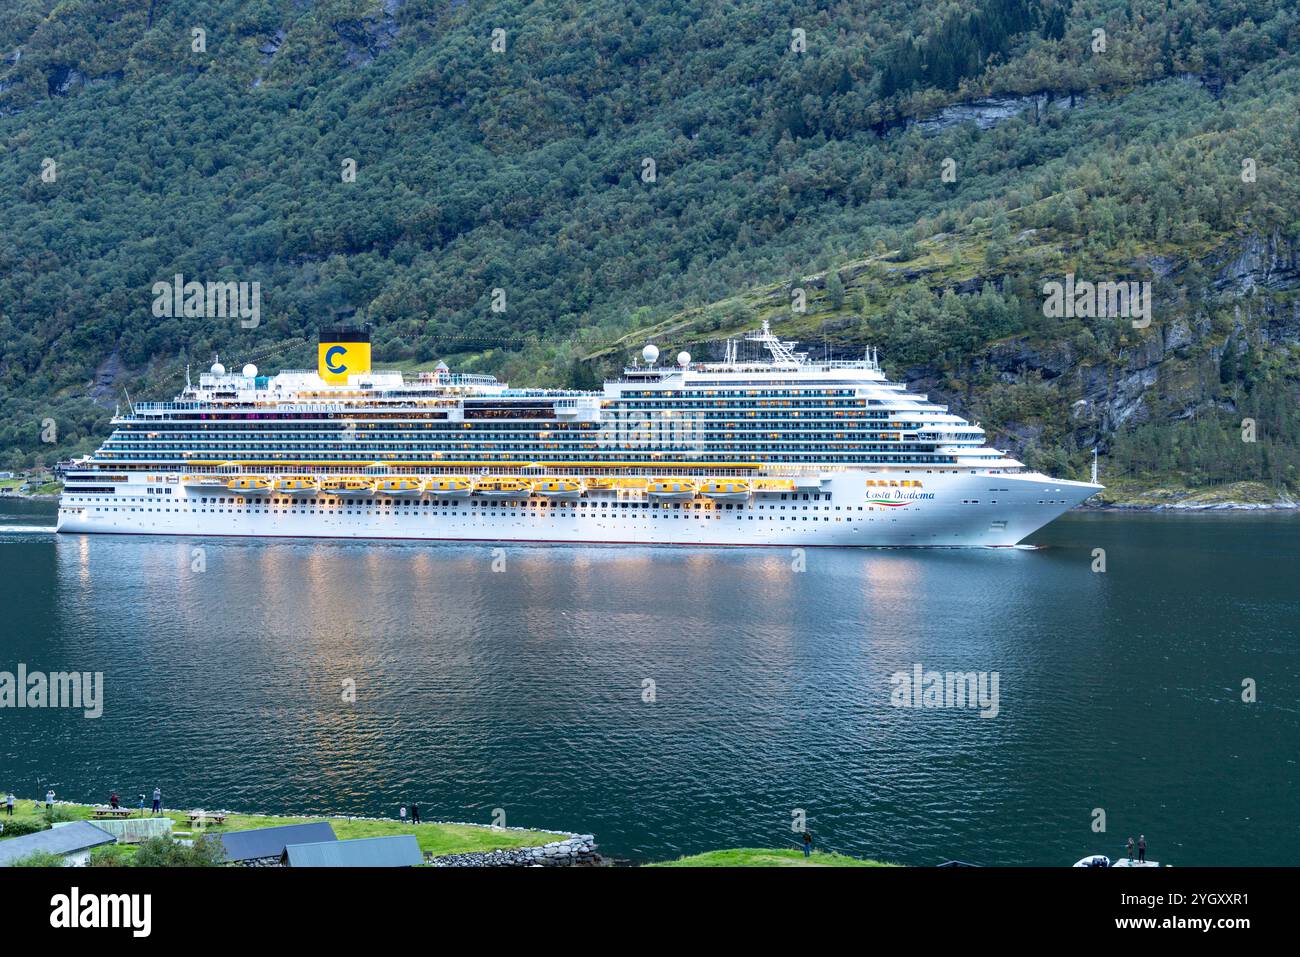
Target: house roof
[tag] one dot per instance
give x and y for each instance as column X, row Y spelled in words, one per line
column 397, row 850
column 271, row 841
column 62, row 839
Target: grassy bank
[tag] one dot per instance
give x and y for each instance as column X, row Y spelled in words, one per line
column 767, row 857
column 12, row 486
column 438, row 839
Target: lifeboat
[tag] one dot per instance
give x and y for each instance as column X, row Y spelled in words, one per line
column 559, row 488
column 726, row 490
column 204, row 482
column 601, row 484
column 250, row 485
column 399, row 487
column 449, row 487
column 297, row 487
column 501, row 487
column 348, row 487
column 671, row 490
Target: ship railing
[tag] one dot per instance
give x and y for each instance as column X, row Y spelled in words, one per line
column 167, row 406
column 450, row 378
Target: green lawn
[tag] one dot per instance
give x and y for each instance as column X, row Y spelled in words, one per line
column 767, row 857
column 46, row 488
column 439, row 839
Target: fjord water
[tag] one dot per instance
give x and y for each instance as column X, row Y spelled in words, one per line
column 522, row 689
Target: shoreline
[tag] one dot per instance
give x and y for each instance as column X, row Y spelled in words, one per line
column 558, row 848
column 1187, row 507
column 443, row 843
column 330, row 816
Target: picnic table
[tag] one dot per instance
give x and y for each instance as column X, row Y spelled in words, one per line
column 101, row 813
column 206, row 817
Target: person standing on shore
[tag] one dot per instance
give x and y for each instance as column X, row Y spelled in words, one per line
column 1142, row 848
column 415, row 814
column 9, row 804
column 1129, row 852
column 807, row 844
column 49, row 800
column 112, row 800
column 401, row 812
column 157, row 800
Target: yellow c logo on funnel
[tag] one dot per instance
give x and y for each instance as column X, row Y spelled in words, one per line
column 335, row 361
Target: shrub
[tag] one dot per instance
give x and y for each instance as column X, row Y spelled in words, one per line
column 39, row 859
column 206, row 851
column 111, row 855
column 20, row 826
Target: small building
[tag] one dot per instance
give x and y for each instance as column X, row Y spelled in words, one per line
column 72, row 841
column 396, row 850
column 265, row 845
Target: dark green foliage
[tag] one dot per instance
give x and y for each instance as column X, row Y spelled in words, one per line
column 523, row 171
column 1211, row 450
column 39, row 859
column 205, row 851
column 960, row 46
column 834, row 290
column 17, row 827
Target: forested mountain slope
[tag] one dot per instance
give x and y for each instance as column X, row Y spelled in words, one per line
column 785, row 149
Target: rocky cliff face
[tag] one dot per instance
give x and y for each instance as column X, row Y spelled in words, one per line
column 1170, row 372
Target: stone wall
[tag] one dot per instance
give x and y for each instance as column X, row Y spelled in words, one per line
column 577, row 851
column 133, row 830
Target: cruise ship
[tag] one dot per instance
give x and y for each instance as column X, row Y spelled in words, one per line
column 766, row 447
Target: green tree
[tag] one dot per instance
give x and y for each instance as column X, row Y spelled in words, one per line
column 835, row 290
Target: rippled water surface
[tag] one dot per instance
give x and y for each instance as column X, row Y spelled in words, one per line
column 523, row 688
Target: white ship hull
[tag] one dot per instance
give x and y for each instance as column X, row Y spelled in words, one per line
column 948, row 510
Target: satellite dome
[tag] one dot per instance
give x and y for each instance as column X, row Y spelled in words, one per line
column 650, row 353
column 217, row 367
column 683, row 359
column 250, row 371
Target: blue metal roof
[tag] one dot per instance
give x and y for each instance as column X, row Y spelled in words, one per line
column 63, row 839
column 397, row 850
column 271, row 841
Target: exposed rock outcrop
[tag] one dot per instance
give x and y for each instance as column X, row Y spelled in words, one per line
column 579, row 851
